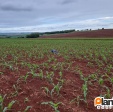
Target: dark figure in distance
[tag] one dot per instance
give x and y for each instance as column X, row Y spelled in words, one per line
column 54, row 51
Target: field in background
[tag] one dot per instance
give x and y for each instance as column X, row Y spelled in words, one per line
column 102, row 33
column 33, row 79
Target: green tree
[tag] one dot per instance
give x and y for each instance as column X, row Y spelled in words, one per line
column 33, row 35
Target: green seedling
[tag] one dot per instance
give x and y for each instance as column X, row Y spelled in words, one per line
column 101, row 81
column 93, row 76
column 61, row 81
column 27, row 108
column 85, row 90
column 1, row 102
column 26, row 100
column 40, row 75
column 77, row 100
column 16, row 91
column 33, row 74
column 90, row 64
column 107, row 95
column 10, row 105
column 47, row 91
column 5, row 109
column 110, row 79
column 56, row 88
column 60, row 74
column 49, row 76
column 1, row 73
column 25, row 77
column 53, row 105
column 81, row 75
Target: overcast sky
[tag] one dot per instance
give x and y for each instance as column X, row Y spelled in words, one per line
column 53, row 15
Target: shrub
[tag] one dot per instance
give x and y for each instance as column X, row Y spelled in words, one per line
column 33, row 35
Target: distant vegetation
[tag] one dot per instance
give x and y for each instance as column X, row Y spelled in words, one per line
column 58, row 32
column 36, row 35
column 33, row 35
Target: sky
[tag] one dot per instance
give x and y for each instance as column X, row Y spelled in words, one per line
column 55, row 15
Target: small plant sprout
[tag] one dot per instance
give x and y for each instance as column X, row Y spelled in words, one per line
column 107, row 95
column 49, row 76
column 53, row 105
column 5, row 109
column 85, row 90
column 26, row 100
column 77, row 100
column 93, row 76
column 60, row 74
column 27, row 108
column 47, row 91
column 33, row 73
column 16, row 90
column 56, row 88
column 25, row 77
column 101, row 81
column 40, row 75
column 110, row 79
column 1, row 102
column 61, row 81
column 1, row 73
column 81, row 74
column 10, row 105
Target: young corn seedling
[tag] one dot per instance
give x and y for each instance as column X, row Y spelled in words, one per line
column 49, row 76
column 56, row 88
column 77, row 69
column 27, row 108
column 85, row 90
column 53, row 105
column 81, row 75
column 61, row 81
column 107, row 95
column 77, row 100
column 33, row 73
column 1, row 73
column 25, row 77
column 47, row 91
column 110, row 79
column 16, row 91
column 5, row 109
column 60, row 74
column 26, row 100
column 92, row 77
column 101, row 81
column 54, row 67
column 7, row 65
column 1, row 102
column 9, row 106
column 90, row 64
column 40, row 75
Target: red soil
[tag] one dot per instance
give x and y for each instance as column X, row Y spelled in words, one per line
column 32, row 89
column 96, row 34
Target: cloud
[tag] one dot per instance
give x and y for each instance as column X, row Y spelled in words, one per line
column 67, row 1
column 43, row 15
column 83, row 24
column 15, row 8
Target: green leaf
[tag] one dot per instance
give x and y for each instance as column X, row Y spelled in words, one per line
column 27, row 108
column 10, row 104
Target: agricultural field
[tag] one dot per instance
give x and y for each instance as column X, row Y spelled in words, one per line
column 102, row 33
column 33, row 79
